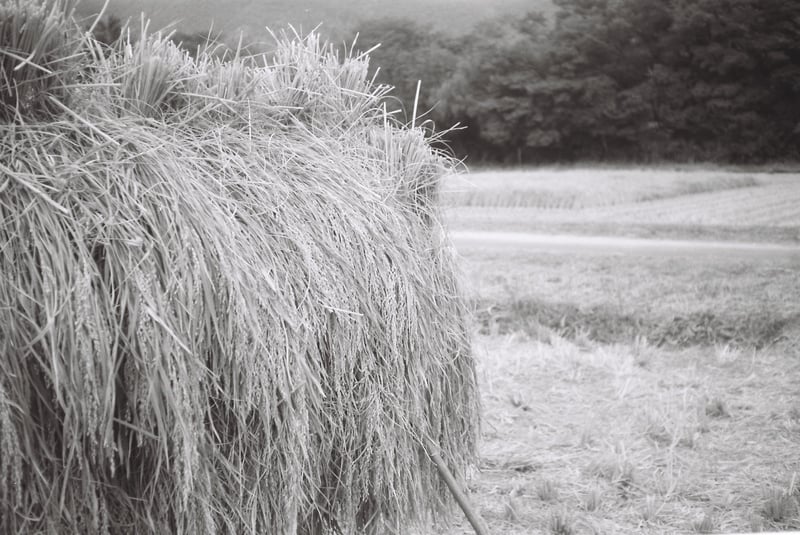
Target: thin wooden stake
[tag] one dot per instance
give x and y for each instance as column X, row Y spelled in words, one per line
column 474, row 518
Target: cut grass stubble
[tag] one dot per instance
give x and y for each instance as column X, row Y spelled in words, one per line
column 661, row 456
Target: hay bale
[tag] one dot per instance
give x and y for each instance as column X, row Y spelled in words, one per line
column 226, row 301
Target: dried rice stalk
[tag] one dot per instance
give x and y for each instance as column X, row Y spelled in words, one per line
column 226, row 302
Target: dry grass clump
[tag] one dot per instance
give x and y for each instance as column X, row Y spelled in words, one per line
column 780, row 506
column 593, row 499
column 225, row 300
column 651, row 508
column 561, row 522
column 547, row 491
column 703, row 524
column 616, row 469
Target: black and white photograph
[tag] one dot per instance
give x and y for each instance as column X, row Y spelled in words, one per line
column 399, row 267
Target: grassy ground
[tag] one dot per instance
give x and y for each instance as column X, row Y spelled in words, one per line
column 633, row 439
column 671, row 301
column 634, row 394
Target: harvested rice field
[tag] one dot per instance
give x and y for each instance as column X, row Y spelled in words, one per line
column 635, row 393
column 695, row 203
column 570, row 189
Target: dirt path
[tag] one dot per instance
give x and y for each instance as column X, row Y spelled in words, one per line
column 511, row 241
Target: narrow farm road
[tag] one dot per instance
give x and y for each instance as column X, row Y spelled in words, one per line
column 521, row 241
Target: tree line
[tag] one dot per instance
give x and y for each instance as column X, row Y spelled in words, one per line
column 603, row 80
column 610, row 80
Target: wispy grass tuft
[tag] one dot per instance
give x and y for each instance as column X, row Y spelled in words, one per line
column 38, row 51
column 593, row 499
column 561, row 522
column 651, row 508
column 615, row 468
column 779, row 505
column 704, row 524
column 546, row 490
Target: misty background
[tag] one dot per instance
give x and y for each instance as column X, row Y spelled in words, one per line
column 549, row 81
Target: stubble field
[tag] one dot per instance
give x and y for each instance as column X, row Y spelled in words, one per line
column 635, row 393
column 747, row 206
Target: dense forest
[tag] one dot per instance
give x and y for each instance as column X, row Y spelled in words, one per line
column 606, row 80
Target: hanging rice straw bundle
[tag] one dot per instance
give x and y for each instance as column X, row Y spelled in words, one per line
column 226, row 301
